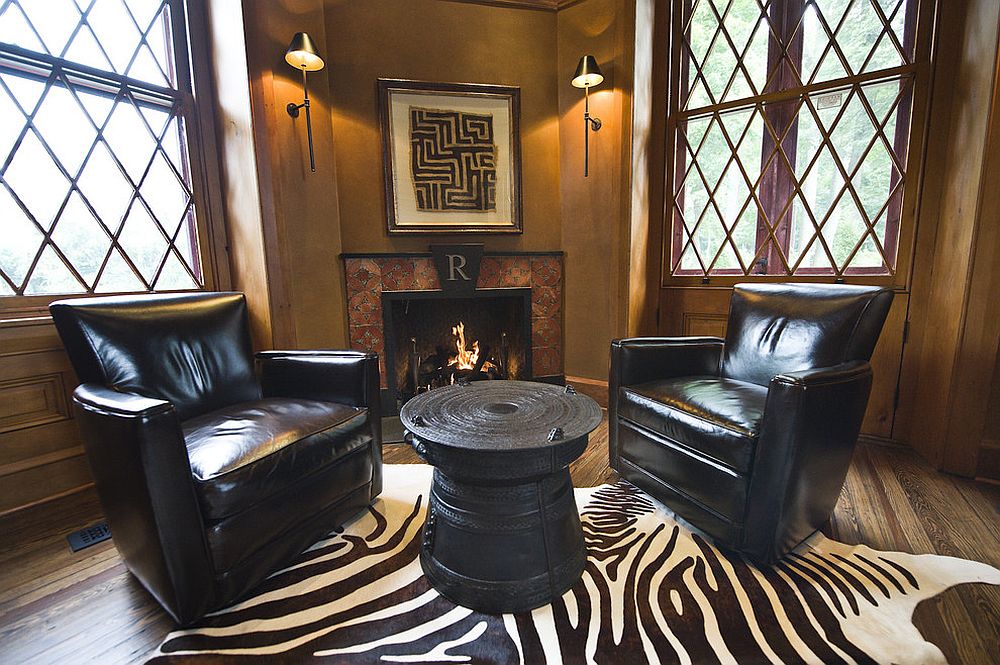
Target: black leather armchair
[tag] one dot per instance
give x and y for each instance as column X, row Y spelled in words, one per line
column 750, row 438
column 210, row 478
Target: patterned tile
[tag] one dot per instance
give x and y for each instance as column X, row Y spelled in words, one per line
column 515, row 271
column 546, row 331
column 489, row 273
column 397, row 274
column 362, row 275
column 546, row 271
column 546, row 361
column 367, row 338
column 545, row 301
column 365, row 308
column 425, row 276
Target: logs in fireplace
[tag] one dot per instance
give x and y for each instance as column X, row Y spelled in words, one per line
column 466, row 362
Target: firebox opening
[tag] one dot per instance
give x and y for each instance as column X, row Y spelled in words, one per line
column 433, row 340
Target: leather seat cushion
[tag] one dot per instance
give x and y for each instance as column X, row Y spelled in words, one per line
column 237, row 540
column 244, row 453
column 718, row 418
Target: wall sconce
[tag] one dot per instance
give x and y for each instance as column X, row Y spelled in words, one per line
column 588, row 74
column 302, row 54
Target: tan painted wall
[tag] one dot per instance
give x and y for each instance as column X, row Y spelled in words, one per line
column 301, row 227
column 310, row 218
column 341, row 207
column 440, row 41
column 595, row 226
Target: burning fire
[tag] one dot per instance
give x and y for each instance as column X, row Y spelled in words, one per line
column 466, row 358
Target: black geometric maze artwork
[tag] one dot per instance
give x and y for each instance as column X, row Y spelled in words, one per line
column 453, row 160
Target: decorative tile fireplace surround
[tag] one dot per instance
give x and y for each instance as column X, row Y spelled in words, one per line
column 376, row 280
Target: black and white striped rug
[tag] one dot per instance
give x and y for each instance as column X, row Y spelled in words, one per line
column 653, row 592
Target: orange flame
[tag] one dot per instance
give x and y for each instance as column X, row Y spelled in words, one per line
column 466, row 358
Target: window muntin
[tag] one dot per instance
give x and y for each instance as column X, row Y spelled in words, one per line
column 95, row 180
column 790, row 131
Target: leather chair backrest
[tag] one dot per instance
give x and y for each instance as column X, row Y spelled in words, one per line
column 193, row 350
column 775, row 328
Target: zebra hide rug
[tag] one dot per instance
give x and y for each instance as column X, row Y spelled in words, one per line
column 653, row 591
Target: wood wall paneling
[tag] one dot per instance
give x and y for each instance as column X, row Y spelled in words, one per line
column 949, row 366
column 31, row 401
column 41, row 455
column 238, row 163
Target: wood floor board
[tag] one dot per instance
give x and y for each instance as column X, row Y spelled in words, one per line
column 57, row 606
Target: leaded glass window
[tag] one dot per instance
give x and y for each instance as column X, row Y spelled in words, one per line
column 790, row 124
column 95, row 177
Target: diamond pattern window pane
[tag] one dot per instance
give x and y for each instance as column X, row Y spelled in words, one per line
column 82, row 239
column 143, row 242
column 36, row 181
column 785, row 162
column 53, row 20
column 95, row 190
column 51, row 276
column 22, row 240
column 66, row 129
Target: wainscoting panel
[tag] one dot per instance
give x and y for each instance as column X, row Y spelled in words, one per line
column 41, row 455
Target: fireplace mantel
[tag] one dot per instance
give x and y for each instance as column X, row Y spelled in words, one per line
column 369, row 275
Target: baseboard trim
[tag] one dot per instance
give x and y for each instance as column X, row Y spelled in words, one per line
column 47, row 499
column 886, row 442
column 589, row 382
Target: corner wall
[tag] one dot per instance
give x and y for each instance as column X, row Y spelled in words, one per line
column 595, row 218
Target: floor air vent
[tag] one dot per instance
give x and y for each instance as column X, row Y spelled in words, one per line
column 91, row 535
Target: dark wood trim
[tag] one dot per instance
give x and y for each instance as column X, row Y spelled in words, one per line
column 41, row 460
column 532, row 5
column 205, row 159
column 400, row 255
column 48, row 499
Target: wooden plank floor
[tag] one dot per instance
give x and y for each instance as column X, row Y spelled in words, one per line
column 59, row 607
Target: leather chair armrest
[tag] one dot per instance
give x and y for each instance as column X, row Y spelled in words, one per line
column 102, row 400
column 813, row 378
column 811, row 423
column 639, row 359
column 347, row 377
column 137, row 456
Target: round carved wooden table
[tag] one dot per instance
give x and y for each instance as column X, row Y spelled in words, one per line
column 502, row 532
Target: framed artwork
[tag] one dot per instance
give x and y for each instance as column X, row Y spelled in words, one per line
column 452, row 157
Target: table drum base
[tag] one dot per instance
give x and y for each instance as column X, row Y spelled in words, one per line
column 503, row 548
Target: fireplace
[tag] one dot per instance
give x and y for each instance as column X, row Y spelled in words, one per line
column 433, row 338
column 529, row 310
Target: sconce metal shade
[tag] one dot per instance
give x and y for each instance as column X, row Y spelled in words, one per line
column 302, row 53
column 588, row 73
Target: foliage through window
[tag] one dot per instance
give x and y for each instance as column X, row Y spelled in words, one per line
column 95, row 180
column 790, row 125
